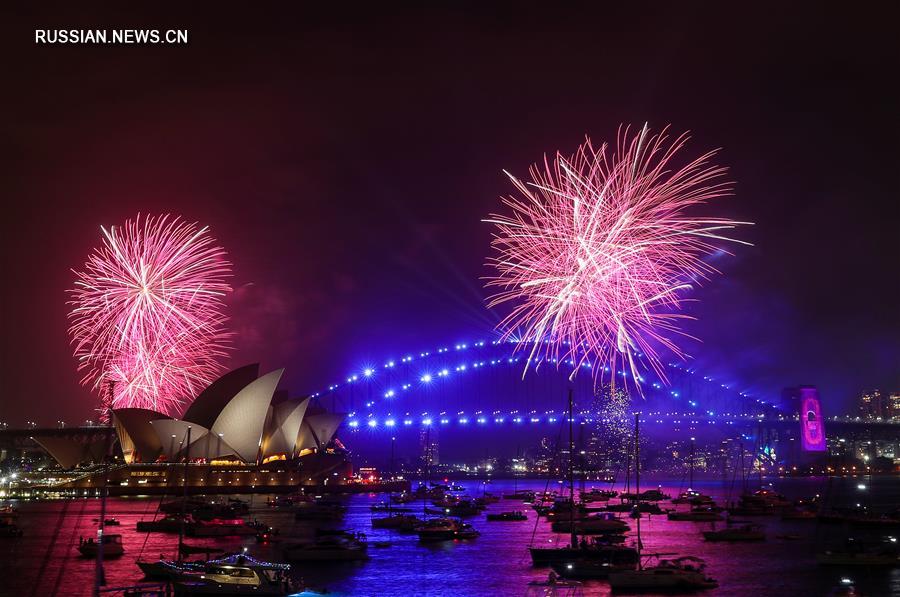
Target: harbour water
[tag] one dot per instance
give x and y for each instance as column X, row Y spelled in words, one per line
column 45, row 561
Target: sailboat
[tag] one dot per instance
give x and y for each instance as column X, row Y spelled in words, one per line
column 686, row 573
column 614, row 554
column 691, row 496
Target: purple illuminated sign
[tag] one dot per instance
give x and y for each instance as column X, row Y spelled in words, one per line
column 811, row 424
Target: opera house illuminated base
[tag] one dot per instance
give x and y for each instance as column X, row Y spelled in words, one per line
column 323, row 471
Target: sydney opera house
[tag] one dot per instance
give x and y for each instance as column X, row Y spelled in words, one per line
column 239, row 435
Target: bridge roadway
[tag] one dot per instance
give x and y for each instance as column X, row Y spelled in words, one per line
column 19, row 439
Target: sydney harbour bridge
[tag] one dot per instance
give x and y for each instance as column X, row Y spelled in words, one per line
column 489, row 390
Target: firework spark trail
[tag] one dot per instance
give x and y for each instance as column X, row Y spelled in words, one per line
column 147, row 312
column 599, row 248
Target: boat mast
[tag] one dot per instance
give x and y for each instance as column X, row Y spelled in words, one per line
column 187, row 451
column 691, row 482
column 627, row 470
column 637, row 455
column 637, row 481
column 427, row 468
column 571, row 476
column 99, row 574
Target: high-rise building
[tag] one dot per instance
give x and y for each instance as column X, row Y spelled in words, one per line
column 428, row 443
column 893, row 406
column 872, row 405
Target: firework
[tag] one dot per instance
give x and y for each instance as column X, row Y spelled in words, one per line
column 147, row 321
column 599, row 250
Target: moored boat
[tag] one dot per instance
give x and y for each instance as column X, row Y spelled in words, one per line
column 620, row 555
column 223, row 579
column 746, row 532
column 602, row 522
column 112, row 547
column 445, row 529
column 406, row 522
column 680, row 574
column 697, row 514
column 517, row 515
column 218, row 527
column 587, row 569
column 333, row 548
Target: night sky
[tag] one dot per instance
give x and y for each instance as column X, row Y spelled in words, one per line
column 345, row 162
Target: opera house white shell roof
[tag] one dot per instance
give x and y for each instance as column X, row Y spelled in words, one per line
column 234, row 418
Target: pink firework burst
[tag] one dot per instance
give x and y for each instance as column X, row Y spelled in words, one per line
column 599, row 249
column 147, row 316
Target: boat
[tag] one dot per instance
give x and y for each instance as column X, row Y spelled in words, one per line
column 334, row 548
column 445, row 529
column 860, row 516
column 746, row 532
column 553, row 586
column 383, row 507
column 694, row 498
column 406, row 522
column 650, row 495
column 280, row 501
column 319, row 511
column 112, row 547
column 642, row 507
column 8, row 512
column 850, row 558
column 464, row 508
column 224, row 579
column 109, row 522
column 171, row 523
column 507, row 516
column 794, row 513
column 753, row 505
column 602, row 522
column 218, row 527
column 523, row 494
column 202, row 509
column 598, row 549
column 598, row 495
column 267, row 535
column 574, row 549
column 856, row 553
column 563, row 509
column 680, row 574
column 696, row 514
column 163, row 569
column 776, row 500
column 587, row 569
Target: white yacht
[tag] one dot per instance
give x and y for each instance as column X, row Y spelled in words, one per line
column 681, row 574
